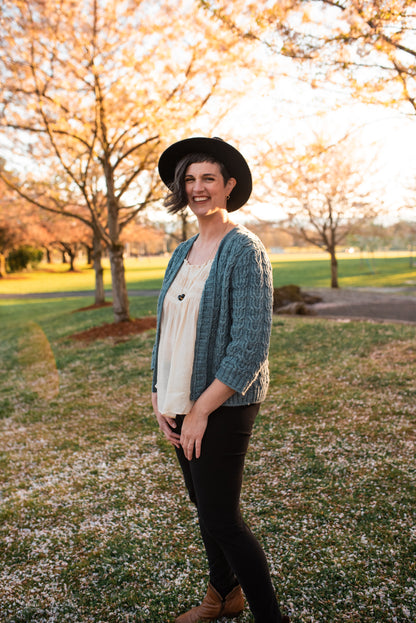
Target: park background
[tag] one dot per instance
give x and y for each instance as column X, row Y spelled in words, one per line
column 320, row 97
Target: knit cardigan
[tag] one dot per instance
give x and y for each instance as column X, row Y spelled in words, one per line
column 234, row 321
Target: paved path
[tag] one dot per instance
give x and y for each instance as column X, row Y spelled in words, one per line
column 74, row 294
column 394, row 304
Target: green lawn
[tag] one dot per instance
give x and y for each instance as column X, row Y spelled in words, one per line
column 94, row 523
column 305, row 270
column 352, row 272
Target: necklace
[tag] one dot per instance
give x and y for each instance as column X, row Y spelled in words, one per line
column 207, row 256
column 212, row 249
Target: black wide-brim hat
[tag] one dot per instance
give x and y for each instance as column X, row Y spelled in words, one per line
column 233, row 161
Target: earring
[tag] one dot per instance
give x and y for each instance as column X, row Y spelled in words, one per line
column 228, row 197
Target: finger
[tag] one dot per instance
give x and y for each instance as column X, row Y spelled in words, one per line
column 174, row 437
column 174, row 442
column 197, row 449
column 184, row 443
column 190, row 451
column 166, row 425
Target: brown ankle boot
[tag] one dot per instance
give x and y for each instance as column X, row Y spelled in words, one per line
column 234, row 603
column 214, row 606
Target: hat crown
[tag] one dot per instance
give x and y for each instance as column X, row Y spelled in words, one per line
column 222, row 151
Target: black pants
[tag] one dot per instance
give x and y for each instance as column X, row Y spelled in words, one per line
column 214, row 484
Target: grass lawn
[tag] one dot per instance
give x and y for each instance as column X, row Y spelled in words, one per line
column 303, row 269
column 94, row 523
column 380, row 271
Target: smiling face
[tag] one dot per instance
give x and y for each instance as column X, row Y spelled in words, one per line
column 205, row 188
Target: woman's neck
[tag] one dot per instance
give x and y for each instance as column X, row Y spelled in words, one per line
column 211, row 228
column 211, row 232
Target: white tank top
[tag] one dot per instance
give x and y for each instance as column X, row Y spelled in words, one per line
column 177, row 338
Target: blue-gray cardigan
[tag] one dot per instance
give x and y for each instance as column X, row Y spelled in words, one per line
column 234, row 321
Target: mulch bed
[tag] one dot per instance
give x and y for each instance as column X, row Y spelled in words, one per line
column 118, row 330
column 342, row 303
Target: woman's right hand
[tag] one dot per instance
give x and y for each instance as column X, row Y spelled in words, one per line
column 166, row 424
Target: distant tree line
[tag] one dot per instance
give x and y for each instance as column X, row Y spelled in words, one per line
column 90, row 98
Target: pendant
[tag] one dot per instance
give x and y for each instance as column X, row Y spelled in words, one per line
column 181, row 297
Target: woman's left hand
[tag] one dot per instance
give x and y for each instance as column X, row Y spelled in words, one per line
column 193, row 430
column 195, row 423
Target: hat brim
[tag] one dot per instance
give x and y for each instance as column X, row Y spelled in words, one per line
column 234, row 162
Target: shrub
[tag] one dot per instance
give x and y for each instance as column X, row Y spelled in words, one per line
column 21, row 258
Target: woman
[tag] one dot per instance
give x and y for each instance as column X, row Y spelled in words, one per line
column 210, row 366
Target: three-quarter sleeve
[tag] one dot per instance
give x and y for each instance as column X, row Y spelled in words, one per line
column 251, row 304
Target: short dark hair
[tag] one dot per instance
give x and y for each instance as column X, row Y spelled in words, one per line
column 177, row 200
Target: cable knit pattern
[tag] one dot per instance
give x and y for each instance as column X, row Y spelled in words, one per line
column 235, row 317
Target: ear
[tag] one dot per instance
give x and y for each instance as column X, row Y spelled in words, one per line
column 230, row 185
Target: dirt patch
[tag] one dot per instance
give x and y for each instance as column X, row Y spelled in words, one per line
column 377, row 305
column 119, row 330
column 94, row 306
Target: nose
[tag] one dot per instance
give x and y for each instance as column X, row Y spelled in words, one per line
column 198, row 184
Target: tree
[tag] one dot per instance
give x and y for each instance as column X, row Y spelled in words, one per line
column 144, row 238
column 271, row 233
column 370, row 237
column 13, row 222
column 8, row 239
column 404, row 237
column 325, row 195
column 91, row 90
column 25, row 225
column 65, row 235
column 366, row 44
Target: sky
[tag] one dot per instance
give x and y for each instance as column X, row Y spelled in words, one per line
column 280, row 107
column 383, row 137
column 291, row 111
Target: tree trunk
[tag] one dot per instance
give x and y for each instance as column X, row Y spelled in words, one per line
column 90, row 253
column 115, row 248
column 99, row 271
column 71, row 262
column 184, row 220
column 118, row 284
column 2, row 266
column 334, row 269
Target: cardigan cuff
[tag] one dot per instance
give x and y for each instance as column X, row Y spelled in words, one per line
column 235, row 381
